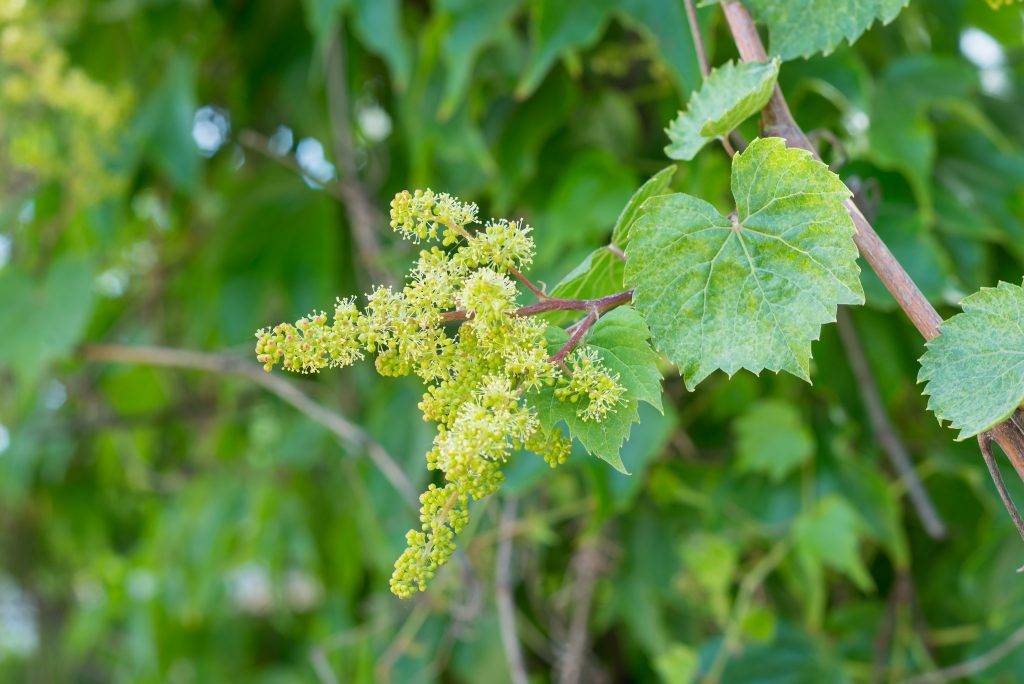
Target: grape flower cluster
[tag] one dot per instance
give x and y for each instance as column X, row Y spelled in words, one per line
column 456, row 325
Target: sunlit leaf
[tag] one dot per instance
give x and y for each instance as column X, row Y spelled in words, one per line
column 751, row 290
column 974, row 370
column 729, row 95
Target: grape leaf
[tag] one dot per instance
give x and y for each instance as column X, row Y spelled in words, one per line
column 597, row 275
column 621, row 339
column 751, row 291
column 729, row 94
column 801, row 28
column 974, row 369
column 654, row 186
column 772, row 438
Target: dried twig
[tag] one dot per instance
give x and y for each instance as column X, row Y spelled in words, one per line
column 588, row 562
column 997, row 479
column 698, row 40
column 974, row 665
column 884, row 430
column 350, row 434
column 503, row 596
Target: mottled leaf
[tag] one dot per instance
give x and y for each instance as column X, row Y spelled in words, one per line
column 729, row 94
column 751, row 290
column 974, row 369
column 801, row 28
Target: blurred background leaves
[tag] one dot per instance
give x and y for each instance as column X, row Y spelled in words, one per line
column 170, row 178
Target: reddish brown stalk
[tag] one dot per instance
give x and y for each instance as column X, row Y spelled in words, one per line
column 578, row 331
column 777, row 120
column 600, row 304
column 527, row 283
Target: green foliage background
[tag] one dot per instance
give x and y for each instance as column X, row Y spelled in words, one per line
column 168, row 525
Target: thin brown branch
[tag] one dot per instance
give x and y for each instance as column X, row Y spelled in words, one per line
column 698, row 39
column 503, row 596
column 588, row 563
column 362, row 214
column 527, row 283
column 885, row 431
column 997, row 480
column 578, row 331
column 601, row 304
column 348, row 433
column 777, row 120
column 975, row 665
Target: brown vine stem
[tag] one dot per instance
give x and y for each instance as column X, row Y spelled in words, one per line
column 777, row 120
column 601, row 305
column 347, row 432
column 885, row 431
column 578, row 331
column 997, row 479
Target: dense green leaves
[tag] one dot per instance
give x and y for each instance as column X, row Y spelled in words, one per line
column 974, row 369
column 621, row 338
column 731, row 93
column 752, row 290
column 800, row 28
column 165, row 523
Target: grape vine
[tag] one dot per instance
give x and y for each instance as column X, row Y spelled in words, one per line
column 747, row 290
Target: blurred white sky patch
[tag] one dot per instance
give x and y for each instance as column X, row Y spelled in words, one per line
column 374, row 122
column 6, row 243
column 19, row 621
column 988, row 55
column 250, row 589
column 5, row 438
column 281, row 142
column 112, row 282
column 210, row 129
column 310, row 156
column 55, row 395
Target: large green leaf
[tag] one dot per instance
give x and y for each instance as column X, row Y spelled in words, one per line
column 974, row 369
column 751, row 290
column 621, row 339
column 652, row 187
column 801, row 28
column 729, row 94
